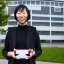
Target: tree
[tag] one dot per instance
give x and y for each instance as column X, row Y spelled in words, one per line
column 3, row 13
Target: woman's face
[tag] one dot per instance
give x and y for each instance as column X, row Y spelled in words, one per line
column 22, row 16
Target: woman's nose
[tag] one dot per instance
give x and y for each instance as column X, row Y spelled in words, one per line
column 21, row 15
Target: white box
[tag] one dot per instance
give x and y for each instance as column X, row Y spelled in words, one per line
column 22, row 54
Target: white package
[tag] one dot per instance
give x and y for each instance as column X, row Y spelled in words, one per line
column 22, row 54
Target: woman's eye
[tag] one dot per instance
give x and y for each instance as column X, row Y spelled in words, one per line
column 18, row 13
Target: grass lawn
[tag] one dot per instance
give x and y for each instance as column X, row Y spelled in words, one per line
column 48, row 54
column 52, row 55
column 1, row 56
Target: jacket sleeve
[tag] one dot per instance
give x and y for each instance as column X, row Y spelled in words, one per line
column 6, row 46
column 38, row 49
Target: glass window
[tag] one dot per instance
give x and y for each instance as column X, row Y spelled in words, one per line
column 36, row 12
column 44, row 10
column 28, row 23
column 57, row 9
column 44, row 32
column 45, row 41
column 56, row 12
column 2, row 40
column 28, row 2
column 12, row 2
column 12, row 23
column 11, row 18
column 37, row 2
column 57, row 24
column 32, row 2
column 57, row 41
column 40, row 18
column 52, row 3
column 42, row 2
column 60, row 4
column 56, row 3
column 24, row 2
column 56, row 19
column 3, row 33
column 41, row 23
column 11, row 9
column 47, row 3
column 57, row 33
column 19, row 2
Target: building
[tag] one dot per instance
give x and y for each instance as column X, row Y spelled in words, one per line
column 46, row 15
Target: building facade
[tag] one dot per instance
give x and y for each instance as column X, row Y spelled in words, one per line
column 46, row 15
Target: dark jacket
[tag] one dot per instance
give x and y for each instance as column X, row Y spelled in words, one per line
column 33, row 42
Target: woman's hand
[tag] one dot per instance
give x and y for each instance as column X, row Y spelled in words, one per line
column 11, row 54
column 32, row 53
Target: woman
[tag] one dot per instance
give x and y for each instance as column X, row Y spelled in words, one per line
column 22, row 37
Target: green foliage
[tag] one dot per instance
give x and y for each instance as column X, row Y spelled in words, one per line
column 2, row 30
column 3, row 13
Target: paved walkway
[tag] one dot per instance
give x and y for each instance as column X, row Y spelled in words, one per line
column 60, row 45
column 3, row 61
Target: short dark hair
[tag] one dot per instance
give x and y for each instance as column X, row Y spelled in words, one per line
column 19, row 8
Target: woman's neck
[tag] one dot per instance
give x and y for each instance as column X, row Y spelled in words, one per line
column 22, row 24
